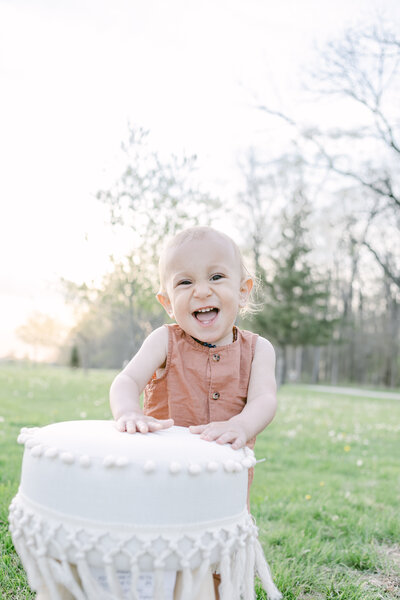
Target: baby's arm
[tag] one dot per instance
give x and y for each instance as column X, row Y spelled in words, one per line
column 128, row 385
column 260, row 407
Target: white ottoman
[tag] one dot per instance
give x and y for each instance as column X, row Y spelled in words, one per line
column 98, row 509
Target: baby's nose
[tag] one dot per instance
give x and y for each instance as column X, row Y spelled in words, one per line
column 202, row 289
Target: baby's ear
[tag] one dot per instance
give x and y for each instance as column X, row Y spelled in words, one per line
column 245, row 288
column 165, row 302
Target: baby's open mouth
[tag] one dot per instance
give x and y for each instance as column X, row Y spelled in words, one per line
column 206, row 314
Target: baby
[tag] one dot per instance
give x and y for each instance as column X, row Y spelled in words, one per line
column 202, row 372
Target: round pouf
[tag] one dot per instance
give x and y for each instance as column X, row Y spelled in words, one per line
column 93, row 499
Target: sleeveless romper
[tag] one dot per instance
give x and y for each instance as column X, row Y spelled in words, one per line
column 201, row 384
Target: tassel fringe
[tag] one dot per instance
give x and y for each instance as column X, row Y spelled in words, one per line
column 158, row 584
column 264, row 573
column 49, row 550
column 249, row 593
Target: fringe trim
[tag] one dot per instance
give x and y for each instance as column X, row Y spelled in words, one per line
column 134, row 580
column 47, row 554
column 264, row 572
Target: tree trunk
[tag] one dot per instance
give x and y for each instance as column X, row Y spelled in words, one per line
column 298, row 362
column 391, row 339
column 335, row 365
column 315, row 371
column 281, row 366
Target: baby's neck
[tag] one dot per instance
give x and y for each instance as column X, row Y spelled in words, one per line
column 204, row 343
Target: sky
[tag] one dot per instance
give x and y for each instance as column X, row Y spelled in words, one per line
column 74, row 73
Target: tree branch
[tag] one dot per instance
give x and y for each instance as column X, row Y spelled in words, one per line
column 383, row 264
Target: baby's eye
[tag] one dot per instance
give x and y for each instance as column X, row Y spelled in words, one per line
column 184, row 282
column 216, row 277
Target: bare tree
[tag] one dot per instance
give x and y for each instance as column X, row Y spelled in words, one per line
column 258, row 202
column 155, row 197
column 362, row 73
column 268, row 188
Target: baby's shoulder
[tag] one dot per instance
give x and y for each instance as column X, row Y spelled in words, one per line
column 157, row 339
column 264, row 350
column 256, row 342
column 262, row 342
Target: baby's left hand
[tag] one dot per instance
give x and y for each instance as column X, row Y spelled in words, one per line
column 222, row 432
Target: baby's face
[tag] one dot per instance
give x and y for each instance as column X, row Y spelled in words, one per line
column 204, row 288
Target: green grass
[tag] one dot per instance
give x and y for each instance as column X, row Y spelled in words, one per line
column 37, row 396
column 325, row 500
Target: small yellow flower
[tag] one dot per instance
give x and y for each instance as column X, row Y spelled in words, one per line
column 307, row 497
column 322, row 483
column 346, row 448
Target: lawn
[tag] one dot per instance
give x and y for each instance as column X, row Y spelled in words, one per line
column 326, row 499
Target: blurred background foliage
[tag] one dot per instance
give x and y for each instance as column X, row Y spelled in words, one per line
column 318, row 226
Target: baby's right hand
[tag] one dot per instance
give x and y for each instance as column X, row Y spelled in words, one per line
column 138, row 422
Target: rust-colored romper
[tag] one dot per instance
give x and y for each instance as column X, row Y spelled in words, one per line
column 201, row 384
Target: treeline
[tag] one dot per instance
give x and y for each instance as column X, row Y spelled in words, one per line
column 318, row 225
